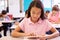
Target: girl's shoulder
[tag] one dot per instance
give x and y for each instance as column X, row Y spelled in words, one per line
column 25, row 19
column 46, row 21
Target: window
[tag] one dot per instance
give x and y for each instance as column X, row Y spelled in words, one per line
column 3, row 5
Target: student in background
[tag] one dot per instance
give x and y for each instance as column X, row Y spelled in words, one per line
column 4, row 14
column 47, row 13
column 54, row 16
column 26, row 13
column 5, row 18
column 35, row 24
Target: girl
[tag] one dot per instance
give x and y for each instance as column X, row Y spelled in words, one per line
column 35, row 24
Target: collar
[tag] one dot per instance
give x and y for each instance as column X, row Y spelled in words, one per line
column 30, row 22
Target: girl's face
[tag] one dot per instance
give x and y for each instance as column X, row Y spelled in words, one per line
column 54, row 12
column 4, row 15
column 35, row 14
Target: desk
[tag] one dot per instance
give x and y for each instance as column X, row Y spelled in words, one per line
column 23, row 38
column 6, row 26
column 7, row 21
column 57, row 38
column 11, row 38
column 56, row 25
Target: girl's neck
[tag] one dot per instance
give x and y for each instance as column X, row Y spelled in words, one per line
column 34, row 21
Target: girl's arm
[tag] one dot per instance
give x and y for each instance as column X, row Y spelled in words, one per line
column 16, row 33
column 55, row 34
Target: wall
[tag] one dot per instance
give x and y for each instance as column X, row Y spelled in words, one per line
column 14, row 7
column 47, row 4
column 26, row 4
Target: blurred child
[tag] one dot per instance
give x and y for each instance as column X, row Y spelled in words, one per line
column 54, row 16
column 47, row 13
column 5, row 18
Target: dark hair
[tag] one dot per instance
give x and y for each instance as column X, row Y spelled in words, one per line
column 55, row 8
column 26, row 12
column 47, row 11
column 37, row 4
column 4, row 12
column 1, row 15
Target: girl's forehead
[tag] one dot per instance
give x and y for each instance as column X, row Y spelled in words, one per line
column 36, row 9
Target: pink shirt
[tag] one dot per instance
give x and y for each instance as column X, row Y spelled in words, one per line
column 39, row 28
column 54, row 18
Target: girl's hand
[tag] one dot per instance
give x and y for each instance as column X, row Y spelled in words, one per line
column 42, row 37
column 30, row 34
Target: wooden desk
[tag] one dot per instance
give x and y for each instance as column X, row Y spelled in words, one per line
column 11, row 38
column 57, row 38
column 24, row 38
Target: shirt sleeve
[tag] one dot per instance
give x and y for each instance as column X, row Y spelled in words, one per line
column 7, row 18
column 21, row 24
column 49, row 15
column 49, row 25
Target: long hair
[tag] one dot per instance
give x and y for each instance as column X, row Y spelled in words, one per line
column 37, row 4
